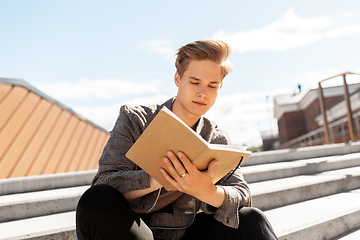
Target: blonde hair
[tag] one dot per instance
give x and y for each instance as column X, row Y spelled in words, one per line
column 214, row 50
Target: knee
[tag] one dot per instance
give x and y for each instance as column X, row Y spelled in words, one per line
column 254, row 224
column 99, row 196
column 252, row 214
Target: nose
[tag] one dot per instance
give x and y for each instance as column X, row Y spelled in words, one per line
column 201, row 92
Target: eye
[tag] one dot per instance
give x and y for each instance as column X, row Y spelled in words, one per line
column 212, row 86
column 194, row 82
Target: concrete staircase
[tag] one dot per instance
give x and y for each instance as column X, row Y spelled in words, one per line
column 41, row 207
column 306, row 193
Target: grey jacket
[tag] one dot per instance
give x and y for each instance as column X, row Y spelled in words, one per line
column 121, row 173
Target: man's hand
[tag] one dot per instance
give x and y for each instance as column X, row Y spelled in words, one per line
column 181, row 173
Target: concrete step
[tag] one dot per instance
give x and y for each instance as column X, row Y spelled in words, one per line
column 353, row 235
column 302, row 153
column 318, row 219
column 322, row 218
column 55, row 226
column 266, row 194
column 33, row 204
column 45, row 182
column 278, row 170
column 280, row 192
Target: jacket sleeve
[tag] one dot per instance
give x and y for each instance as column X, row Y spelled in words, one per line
column 237, row 195
column 117, row 170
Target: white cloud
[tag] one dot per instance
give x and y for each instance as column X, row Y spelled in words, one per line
column 105, row 116
column 245, row 115
column 99, row 89
column 161, row 47
column 311, row 79
column 290, row 31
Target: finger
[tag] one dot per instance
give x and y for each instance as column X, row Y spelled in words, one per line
column 212, row 168
column 189, row 166
column 169, row 178
column 179, row 167
column 171, row 169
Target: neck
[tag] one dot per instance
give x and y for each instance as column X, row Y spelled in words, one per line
column 188, row 118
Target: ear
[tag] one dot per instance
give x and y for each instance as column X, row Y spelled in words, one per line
column 177, row 79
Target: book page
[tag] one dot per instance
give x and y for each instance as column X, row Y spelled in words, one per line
column 228, row 147
column 227, row 160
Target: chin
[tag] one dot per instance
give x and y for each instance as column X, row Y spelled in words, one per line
column 199, row 112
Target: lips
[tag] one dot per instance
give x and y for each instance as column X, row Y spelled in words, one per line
column 199, row 103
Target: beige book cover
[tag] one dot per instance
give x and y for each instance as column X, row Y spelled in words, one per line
column 168, row 132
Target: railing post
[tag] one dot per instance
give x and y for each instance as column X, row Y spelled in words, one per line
column 323, row 114
column 357, row 125
column 349, row 111
column 343, row 132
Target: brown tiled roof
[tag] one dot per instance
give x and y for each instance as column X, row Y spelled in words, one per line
column 39, row 135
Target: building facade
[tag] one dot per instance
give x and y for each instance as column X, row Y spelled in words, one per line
column 300, row 121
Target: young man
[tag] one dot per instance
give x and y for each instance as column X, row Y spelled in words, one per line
column 126, row 203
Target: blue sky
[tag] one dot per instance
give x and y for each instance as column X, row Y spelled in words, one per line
column 94, row 56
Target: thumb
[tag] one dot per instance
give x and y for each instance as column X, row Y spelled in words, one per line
column 212, row 168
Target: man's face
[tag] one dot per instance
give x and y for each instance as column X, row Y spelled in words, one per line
column 198, row 87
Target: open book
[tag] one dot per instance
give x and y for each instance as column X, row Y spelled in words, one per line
column 168, row 132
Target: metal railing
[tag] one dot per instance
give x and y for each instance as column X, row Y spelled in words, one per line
column 338, row 132
column 353, row 135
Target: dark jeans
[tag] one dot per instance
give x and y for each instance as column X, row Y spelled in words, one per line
column 103, row 213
